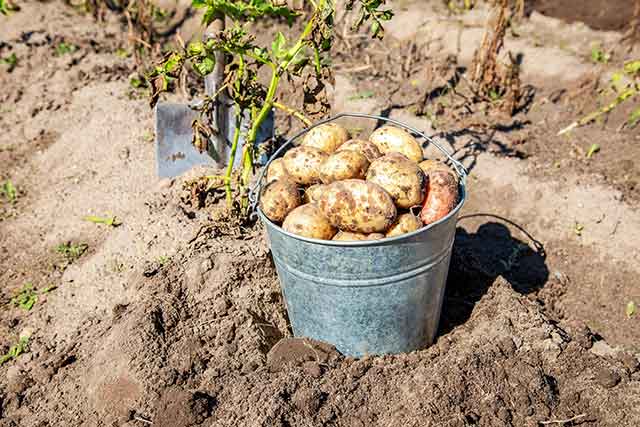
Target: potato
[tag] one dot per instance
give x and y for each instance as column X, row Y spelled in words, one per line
column 391, row 139
column 303, row 164
column 343, row 165
column 327, row 137
column 358, row 206
column 276, row 170
column 347, row 236
column 278, row 198
column 400, row 177
column 406, row 223
column 312, row 194
column 442, row 196
column 362, row 146
column 308, row 221
column 429, row 166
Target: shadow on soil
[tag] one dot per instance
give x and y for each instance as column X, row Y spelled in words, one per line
column 479, row 258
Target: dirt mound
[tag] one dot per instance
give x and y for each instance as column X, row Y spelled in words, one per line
column 611, row 15
column 205, row 341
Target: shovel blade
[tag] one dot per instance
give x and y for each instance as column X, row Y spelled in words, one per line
column 175, row 153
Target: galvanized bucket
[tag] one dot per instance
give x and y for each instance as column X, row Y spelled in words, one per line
column 365, row 297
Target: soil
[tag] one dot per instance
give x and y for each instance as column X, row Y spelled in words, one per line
column 608, row 15
column 175, row 317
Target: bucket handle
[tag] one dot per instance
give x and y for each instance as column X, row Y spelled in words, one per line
column 254, row 193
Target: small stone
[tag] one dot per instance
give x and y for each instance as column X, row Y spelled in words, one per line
column 607, row 378
column 630, row 362
column 124, row 153
column 206, row 265
column 602, row 349
column 165, row 184
column 221, row 306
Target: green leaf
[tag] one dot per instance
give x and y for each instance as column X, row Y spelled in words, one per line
column 634, row 117
column 110, row 221
column 173, row 63
column 362, row 95
column 122, row 53
column 65, row 48
column 15, row 350
column 632, row 68
column 9, row 191
column 26, row 297
column 277, row 46
column 7, row 7
column 48, row 289
column 592, row 150
column 11, row 61
column 204, row 66
column 195, row 48
column 630, row 309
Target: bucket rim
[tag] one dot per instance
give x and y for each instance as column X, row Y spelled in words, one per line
column 369, row 243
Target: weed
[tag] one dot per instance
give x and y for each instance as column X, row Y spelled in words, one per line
column 598, row 55
column 64, row 48
column 362, row 95
column 111, row 221
column 8, row 190
column 625, row 85
column 578, row 229
column 15, row 350
column 26, row 297
column 630, row 309
column 148, row 136
column 162, row 260
column 48, row 289
column 72, row 251
column 122, row 53
column 11, row 61
column 592, row 150
column 137, row 82
column 7, row 6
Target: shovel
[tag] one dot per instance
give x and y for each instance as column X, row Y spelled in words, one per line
column 175, row 153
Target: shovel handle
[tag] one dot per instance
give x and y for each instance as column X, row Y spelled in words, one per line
column 214, row 80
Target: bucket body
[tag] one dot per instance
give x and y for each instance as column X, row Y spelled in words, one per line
column 374, row 298
column 365, row 297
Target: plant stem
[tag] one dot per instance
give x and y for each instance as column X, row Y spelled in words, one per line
column 232, row 157
column 295, row 113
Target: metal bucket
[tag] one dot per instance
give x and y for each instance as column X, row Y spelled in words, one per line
column 365, row 297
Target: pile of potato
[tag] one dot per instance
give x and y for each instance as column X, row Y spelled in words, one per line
column 331, row 187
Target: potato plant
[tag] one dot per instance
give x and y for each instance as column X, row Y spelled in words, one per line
column 283, row 58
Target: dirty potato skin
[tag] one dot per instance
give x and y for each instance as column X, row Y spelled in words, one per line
column 303, row 164
column 308, row 221
column 327, row 137
column 343, row 165
column 406, row 223
column 442, row 197
column 312, row 193
column 400, row 177
column 358, row 206
column 391, row 139
column 278, row 198
column 368, row 148
column 276, row 170
column 429, row 166
column 347, row 236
